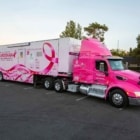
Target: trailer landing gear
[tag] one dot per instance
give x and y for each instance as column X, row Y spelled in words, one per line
column 1, row 76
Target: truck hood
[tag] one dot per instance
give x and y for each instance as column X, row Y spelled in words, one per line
column 128, row 75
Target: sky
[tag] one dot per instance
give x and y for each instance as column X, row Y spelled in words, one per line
column 33, row 20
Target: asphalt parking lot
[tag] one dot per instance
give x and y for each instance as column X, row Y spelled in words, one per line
column 28, row 113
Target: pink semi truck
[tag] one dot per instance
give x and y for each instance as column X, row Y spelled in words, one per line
column 68, row 64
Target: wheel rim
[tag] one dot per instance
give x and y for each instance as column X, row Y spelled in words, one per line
column 117, row 99
column 57, row 86
column 47, row 84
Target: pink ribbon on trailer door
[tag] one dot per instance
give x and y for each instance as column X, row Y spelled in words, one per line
column 51, row 58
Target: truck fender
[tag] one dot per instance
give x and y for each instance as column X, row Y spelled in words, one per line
column 108, row 91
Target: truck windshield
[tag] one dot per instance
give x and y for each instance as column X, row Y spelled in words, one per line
column 116, row 64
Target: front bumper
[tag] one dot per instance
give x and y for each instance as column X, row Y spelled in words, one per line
column 134, row 101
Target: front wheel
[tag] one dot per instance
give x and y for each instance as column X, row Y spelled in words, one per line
column 118, row 98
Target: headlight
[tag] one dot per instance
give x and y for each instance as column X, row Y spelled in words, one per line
column 137, row 93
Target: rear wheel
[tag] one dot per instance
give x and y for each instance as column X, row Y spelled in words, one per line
column 58, row 86
column 118, row 98
column 1, row 76
column 48, row 83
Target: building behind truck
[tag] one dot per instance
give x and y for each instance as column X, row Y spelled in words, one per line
column 68, row 64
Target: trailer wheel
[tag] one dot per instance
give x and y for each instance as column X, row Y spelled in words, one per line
column 118, row 98
column 58, row 86
column 1, row 76
column 48, row 83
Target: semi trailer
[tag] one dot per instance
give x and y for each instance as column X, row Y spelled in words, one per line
column 67, row 64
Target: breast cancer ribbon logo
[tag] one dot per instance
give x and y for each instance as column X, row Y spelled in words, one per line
column 52, row 59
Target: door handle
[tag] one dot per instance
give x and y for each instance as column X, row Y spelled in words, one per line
column 96, row 80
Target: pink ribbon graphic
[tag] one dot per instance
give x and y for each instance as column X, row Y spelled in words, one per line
column 12, row 73
column 51, row 58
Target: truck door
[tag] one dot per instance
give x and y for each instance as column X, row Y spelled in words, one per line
column 101, row 71
column 21, row 56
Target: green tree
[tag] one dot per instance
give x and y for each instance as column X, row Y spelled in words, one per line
column 130, row 52
column 138, row 41
column 72, row 30
column 118, row 52
column 136, row 51
column 96, row 30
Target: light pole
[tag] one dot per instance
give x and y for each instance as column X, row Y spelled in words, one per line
column 118, row 46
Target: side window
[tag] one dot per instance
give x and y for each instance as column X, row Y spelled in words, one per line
column 21, row 54
column 101, row 65
column 38, row 54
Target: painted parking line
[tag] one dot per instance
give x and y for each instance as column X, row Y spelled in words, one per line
column 7, row 85
column 26, row 88
column 48, row 93
column 82, row 98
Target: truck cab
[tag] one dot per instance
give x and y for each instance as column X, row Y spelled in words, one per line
column 102, row 75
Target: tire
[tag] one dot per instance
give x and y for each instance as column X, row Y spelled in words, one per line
column 1, row 76
column 118, row 98
column 48, row 83
column 58, row 86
